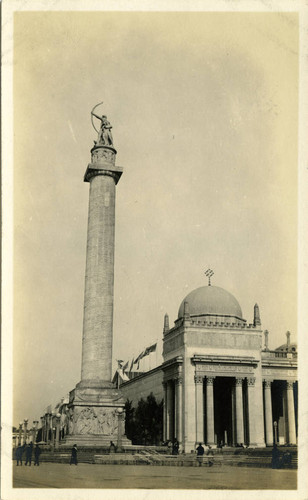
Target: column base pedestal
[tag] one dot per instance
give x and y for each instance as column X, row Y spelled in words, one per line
column 95, row 411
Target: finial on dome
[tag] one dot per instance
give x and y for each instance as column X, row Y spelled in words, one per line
column 166, row 323
column 256, row 316
column 209, row 273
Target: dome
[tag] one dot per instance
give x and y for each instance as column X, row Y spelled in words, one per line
column 211, row 300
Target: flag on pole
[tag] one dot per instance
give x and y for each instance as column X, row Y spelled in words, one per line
column 132, row 364
column 151, row 348
column 120, row 363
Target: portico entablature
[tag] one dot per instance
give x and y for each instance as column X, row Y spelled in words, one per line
column 173, row 368
column 279, row 374
column 224, row 366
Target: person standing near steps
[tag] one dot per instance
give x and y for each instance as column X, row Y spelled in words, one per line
column 200, row 453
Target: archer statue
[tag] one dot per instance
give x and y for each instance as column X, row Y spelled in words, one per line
column 104, row 137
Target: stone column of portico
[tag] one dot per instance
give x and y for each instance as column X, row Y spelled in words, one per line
column 268, row 413
column 199, row 409
column 165, row 412
column 178, row 409
column 103, row 175
column 239, row 410
column 210, row 410
column 255, row 413
column 291, row 413
column 170, row 410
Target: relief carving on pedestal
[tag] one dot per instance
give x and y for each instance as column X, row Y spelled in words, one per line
column 91, row 420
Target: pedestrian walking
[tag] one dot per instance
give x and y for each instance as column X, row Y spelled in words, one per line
column 37, row 453
column 275, row 457
column 29, row 454
column 112, row 447
column 200, row 453
column 210, row 453
column 74, row 455
column 19, row 453
column 175, row 447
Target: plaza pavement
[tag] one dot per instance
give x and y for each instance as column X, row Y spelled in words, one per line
column 55, row 475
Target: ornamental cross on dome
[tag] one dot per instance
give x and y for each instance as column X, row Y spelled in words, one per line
column 209, row 273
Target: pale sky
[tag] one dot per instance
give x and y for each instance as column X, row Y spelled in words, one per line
column 204, row 113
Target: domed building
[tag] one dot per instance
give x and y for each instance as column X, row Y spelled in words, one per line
column 218, row 384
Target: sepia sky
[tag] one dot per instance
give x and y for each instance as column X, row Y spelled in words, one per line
column 204, row 113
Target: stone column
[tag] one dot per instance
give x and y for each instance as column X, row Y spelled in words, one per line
column 178, row 414
column 165, row 412
column 199, row 409
column 239, row 410
column 291, row 413
column 268, row 413
column 210, row 410
column 170, row 410
column 99, row 279
column 255, row 413
column 233, row 410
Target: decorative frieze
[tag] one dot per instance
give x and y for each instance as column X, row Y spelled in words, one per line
column 217, row 368
column 220, row 339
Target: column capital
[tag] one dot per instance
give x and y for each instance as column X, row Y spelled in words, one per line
column 290, row 384
column 239, row 381
column 210, row 380
column 198, row 379
column 178, row 380
column 267, row 383
column 251, row 381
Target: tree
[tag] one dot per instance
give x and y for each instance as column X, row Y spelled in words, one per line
column 144, row 424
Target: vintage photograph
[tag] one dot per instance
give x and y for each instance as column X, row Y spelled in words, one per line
column 153, row 161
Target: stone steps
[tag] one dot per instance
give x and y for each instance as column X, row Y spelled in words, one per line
column 150, row 456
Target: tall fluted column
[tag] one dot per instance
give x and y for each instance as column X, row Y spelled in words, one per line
column 165, row 437
column 98, row 297
column 210, row 410
column 199, row 409
column 239, row 410
column 268, row 413
column 178, row 414
column 291, row 413
column 170, row 410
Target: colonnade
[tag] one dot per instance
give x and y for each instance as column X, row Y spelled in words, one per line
column 243, row 411
column 289, row 413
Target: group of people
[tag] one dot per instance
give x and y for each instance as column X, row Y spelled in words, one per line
column 284, row 461
column 29, row 450
column 201, row 453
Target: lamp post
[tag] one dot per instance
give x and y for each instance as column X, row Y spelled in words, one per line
column 19, row 433
column 25, row 430
column 35, row 424
column 275, row 432
column 121, row 417
column 58, row 419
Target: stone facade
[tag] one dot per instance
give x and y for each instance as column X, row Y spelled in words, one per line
column 219, row 385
